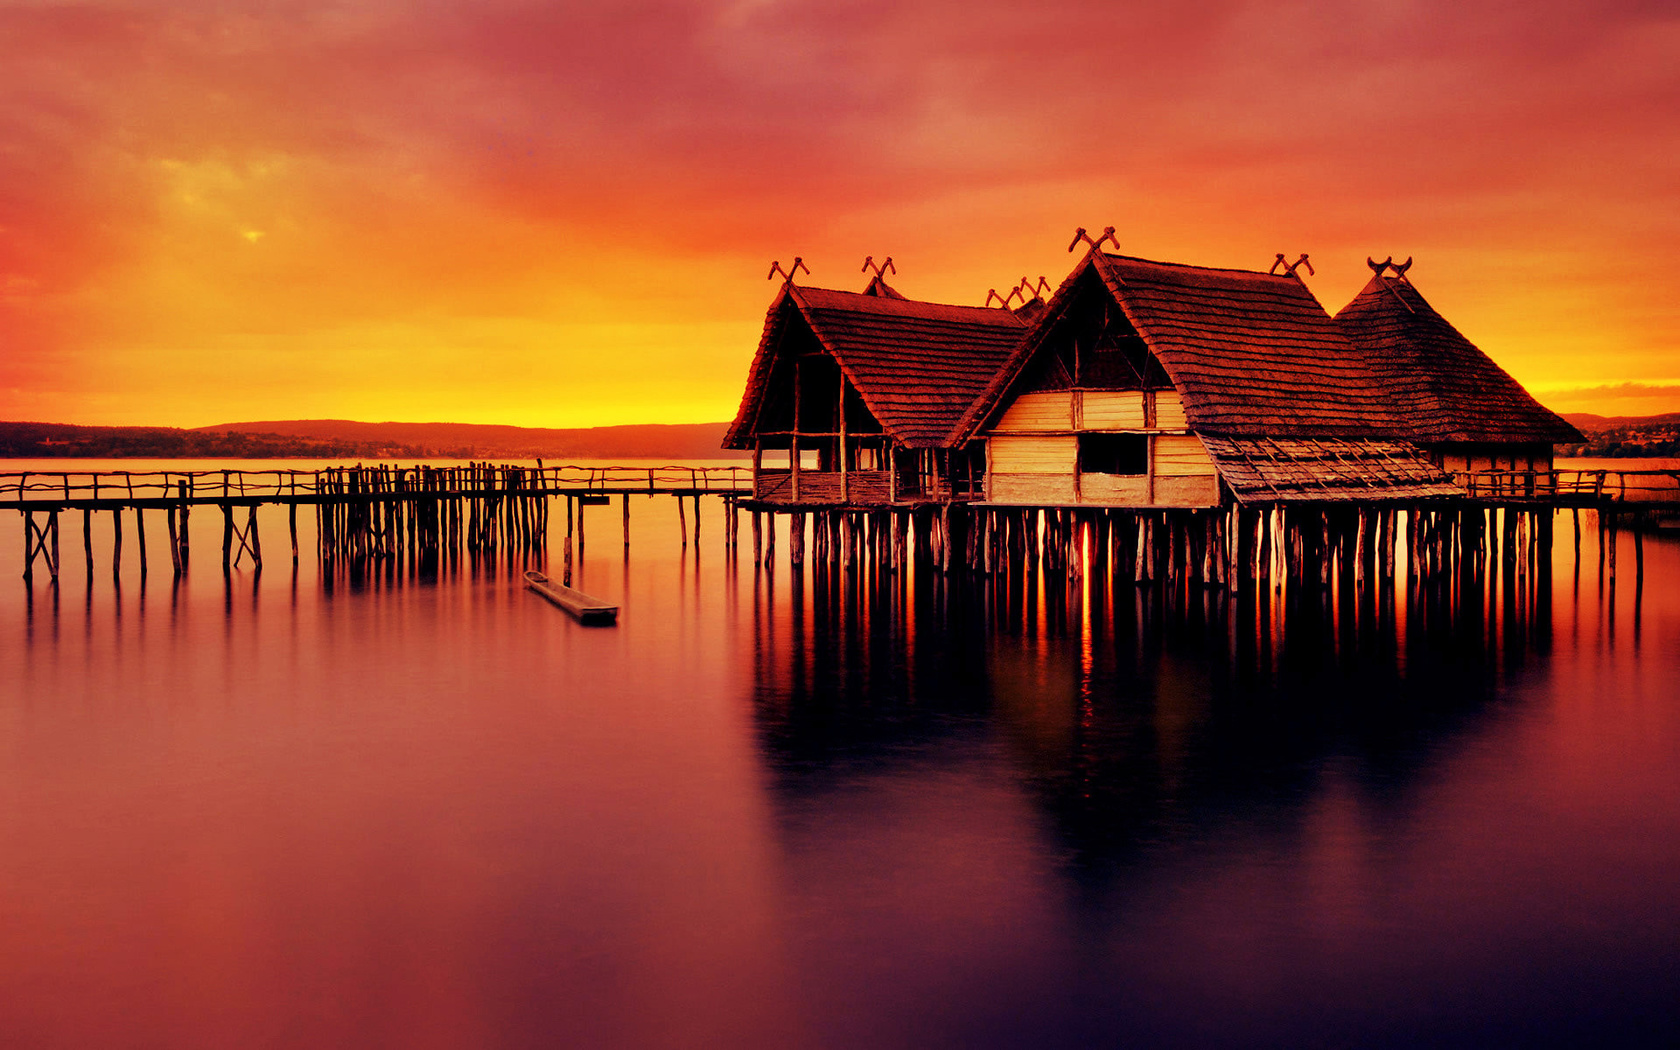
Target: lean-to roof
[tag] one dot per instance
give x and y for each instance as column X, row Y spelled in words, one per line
column 916, row 365
column 1329, row 470
column 1253, row 354
column 1447, row 388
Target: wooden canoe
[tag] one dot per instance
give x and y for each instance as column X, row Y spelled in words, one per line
column 588, row 610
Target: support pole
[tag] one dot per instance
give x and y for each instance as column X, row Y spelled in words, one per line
column 227, row 536
column 253, row 537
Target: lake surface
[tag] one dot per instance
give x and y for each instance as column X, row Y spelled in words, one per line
column 798, row 810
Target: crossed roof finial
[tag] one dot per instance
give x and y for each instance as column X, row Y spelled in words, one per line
column 1107, row 235
column 869, row 264
column 776, row 268
column 1389, row 264
column 1289, row 268
column 1399, row 272
column 1003, row 300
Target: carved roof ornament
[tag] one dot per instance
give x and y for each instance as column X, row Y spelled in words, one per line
column 788, row 274
column 1107, row 235
column 1289, row 268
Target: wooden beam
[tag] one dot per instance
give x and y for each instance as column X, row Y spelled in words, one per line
column 845, row 484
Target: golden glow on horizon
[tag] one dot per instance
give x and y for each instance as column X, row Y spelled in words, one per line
column 498, row 213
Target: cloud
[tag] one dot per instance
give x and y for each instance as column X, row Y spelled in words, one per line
column 189, row 175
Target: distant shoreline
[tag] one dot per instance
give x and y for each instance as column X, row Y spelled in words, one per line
column 348, row 439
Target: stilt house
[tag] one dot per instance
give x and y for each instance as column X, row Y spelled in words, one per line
column 1465, row 411
column 853, row 396
column 1140, row 384
column 1150, row 384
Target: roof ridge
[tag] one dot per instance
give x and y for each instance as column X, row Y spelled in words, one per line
column 1196, row 266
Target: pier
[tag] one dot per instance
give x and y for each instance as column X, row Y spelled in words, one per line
column 362, row 513
column 424, row 514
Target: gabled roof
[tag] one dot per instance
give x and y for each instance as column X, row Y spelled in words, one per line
column 916, row 365
column 1253, row 354
column 1439, row 380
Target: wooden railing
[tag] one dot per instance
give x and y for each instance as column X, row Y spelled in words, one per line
column 1574, row 486
column 117, row 487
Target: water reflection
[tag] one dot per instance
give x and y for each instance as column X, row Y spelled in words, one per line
column 1131, row 713
column 1029, row 810
column 839, row 809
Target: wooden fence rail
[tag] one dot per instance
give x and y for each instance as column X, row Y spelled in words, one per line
column 21, row 489
column 1574, row 487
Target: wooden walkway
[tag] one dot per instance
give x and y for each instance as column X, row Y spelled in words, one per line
column 426, row 515
column 1629, row 489
column 107, row 490
column 419, row 513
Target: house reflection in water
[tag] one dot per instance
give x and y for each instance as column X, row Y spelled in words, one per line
column 1130, row 715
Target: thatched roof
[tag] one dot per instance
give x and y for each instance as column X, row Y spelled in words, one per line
column 916, row 365
column 1331, row 470
column 1438, row 380
column 1253, row 354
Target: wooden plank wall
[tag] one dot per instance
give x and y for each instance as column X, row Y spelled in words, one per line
column 1034, row 451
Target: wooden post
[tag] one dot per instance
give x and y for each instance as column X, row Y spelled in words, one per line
column 796, row 538
column 682, row 522
column 626, row 500
column 1638, row 554
column 696, row 521
column 254, row 538
column 845, row 484
column 1143, row 562
column 758, row 537
column 291, row 524
column 185, row 526
column 87, row 539
column 770, row 541
column 1612, row 538
column 174, row 542
column 116, row 543
column 140, row 537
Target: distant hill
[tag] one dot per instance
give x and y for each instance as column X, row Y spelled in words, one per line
column 1625, row 436
column 346, row 439
column 675, row 441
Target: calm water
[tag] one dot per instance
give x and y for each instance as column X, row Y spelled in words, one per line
column 792, row 811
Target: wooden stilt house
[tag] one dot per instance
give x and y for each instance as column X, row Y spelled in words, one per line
column 1150, row 384
column 853, row 397
column 1465, row 411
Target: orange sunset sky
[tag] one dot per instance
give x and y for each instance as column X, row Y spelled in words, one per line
column 558, row 214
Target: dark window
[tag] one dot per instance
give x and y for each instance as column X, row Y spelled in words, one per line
column 1113, row 453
